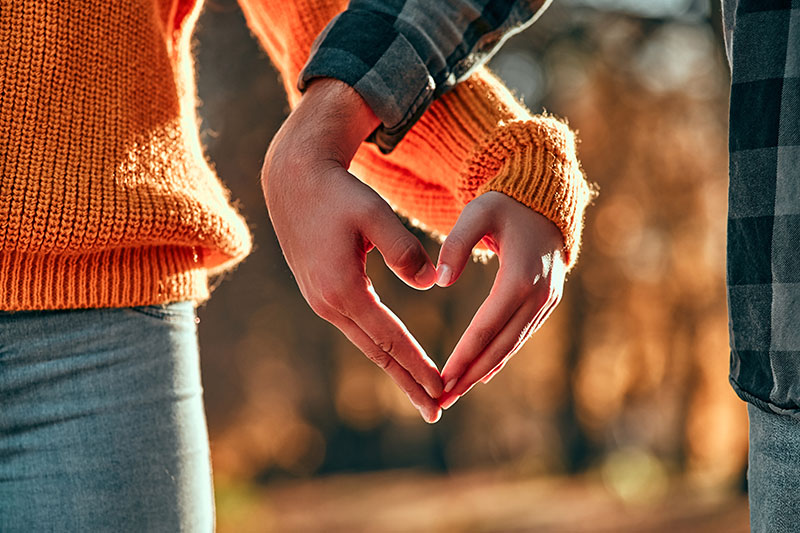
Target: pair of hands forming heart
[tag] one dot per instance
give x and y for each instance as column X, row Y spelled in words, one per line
column 326, row 221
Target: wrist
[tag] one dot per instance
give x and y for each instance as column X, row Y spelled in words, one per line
column 322, row 133
column 534, row 162
column 335, row 117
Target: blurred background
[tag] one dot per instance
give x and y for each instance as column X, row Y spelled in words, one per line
column 616, row 416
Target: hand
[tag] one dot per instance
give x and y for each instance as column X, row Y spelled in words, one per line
column 326, row 221
column 527, row 288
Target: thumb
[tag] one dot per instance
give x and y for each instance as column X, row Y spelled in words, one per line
column 472, row 225
column 401, row 251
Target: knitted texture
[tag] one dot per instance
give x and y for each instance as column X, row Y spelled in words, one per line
column 479, row 138
column 106, row 199
column 474, row 139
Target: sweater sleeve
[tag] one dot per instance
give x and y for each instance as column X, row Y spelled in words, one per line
column 473, row 139
column 402, row 55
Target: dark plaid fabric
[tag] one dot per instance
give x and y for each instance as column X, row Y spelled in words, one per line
column 764, row 202
column 402, row 54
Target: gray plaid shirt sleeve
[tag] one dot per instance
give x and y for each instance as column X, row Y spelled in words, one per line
column 400, row 55
column 763, row 271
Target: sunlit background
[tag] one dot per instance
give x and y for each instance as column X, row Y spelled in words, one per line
column 616, row 416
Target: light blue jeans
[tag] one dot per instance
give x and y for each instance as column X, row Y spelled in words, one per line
column 102, row 426
column 773, row 473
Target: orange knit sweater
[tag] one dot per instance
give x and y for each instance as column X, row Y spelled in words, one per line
column 105, row 196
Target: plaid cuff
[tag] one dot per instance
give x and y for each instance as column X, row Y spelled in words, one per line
column 366, row 51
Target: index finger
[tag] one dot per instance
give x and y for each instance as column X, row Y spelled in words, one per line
column 388, row 333
column 428, row 407
column 524, row 322
column 503, row 301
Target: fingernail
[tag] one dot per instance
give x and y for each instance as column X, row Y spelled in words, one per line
column 444, row 276
column 432, row 392
column 423, row 274
column 449, row 403
column 450, row 384
column 437, row 415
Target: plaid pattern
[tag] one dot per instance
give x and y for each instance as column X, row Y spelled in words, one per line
column 764, row 203
column 400, row 55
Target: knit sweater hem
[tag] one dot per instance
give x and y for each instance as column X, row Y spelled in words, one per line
column 120, row 277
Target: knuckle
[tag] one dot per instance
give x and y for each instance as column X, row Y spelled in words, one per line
column 477, row 205
column 340, row 298
column 406, row 253
column 332, row 296
column 457, row 244
column 376, row 209
column 381, row 358
column 386, row 345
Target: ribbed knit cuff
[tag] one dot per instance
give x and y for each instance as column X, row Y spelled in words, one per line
column 120, row 277
column 478, row 138
column 534, row 162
